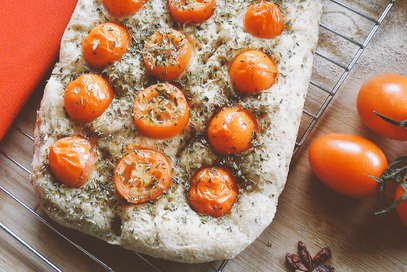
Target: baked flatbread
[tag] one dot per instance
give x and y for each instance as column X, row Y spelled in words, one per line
column 168, row 227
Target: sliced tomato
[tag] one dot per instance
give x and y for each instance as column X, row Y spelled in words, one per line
column 166, row 54
column 161, row 111
column 142, row 176
column 191, row 12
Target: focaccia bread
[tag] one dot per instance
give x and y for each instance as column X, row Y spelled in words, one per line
column 168, row 227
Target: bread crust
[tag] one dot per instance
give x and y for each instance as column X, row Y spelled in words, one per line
column 169, row 228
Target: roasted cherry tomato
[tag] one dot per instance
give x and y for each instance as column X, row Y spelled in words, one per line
column 105, row 44
column 123, row 8
column 161, row 111
column 166, row 54
column 402, row 207
column 191, row 12
column 264, row 20
column 213, row 191
column 231, row 131
column 252, row 72
column 71, row 160
column 387, row 95
column 87, row 97
column 142, row 176
column 344, row 163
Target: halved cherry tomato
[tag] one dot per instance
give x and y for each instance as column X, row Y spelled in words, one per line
column 385, row 94
column 161, row 111
column 142, row 176
column 123, row 8
column 166, row 54
column 231, row 131
column 264, row 20
column 105, row 44
column 252, row 72
column 191, row 12
column 344, row 163
column 71, row 160
column 402, row 207
column 87, row 97
column 213, row 191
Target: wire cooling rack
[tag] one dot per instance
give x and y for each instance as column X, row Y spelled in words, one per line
column 30, row 208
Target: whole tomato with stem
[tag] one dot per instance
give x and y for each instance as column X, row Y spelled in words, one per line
column 381, row 105
column 401, row 208
column 395, row 172
column 345, row 163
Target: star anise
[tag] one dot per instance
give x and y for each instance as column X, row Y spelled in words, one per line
column 305, row 263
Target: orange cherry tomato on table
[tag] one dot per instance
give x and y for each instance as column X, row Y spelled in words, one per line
column 161, row 111
column 142, row 176
column 123, row 8
column 87, row 97
column 213, row 191
column 402, row 207
column 71, row 160
column 344, row 163
column 105, row 44
column 231, row 131
column 166, row 54
column 191, row 12
column 385, row 94
column 252, row 72
column 264, row 20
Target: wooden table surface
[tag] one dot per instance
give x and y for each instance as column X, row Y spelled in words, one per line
column 307, row 210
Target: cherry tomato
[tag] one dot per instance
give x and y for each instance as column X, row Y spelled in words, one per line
column 105, row 44
column 386, row 94
column 344, row 163
column 142, row 176
column 161, row 111
column 71, row 160
column 166, row 54
column 213, row 191
column 123, row 8
column 231, row 131
column 402, row 207
column 191, row 12
column 87, row 97
column 252, row 72
column 264, row 20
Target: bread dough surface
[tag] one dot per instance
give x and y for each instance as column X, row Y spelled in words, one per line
column 168, row 228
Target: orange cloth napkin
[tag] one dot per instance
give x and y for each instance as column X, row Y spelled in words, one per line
column 31, row 32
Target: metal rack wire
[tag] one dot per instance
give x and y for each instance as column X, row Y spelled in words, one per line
column 347, row 68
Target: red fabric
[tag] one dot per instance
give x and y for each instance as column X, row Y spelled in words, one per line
column 31, row 32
